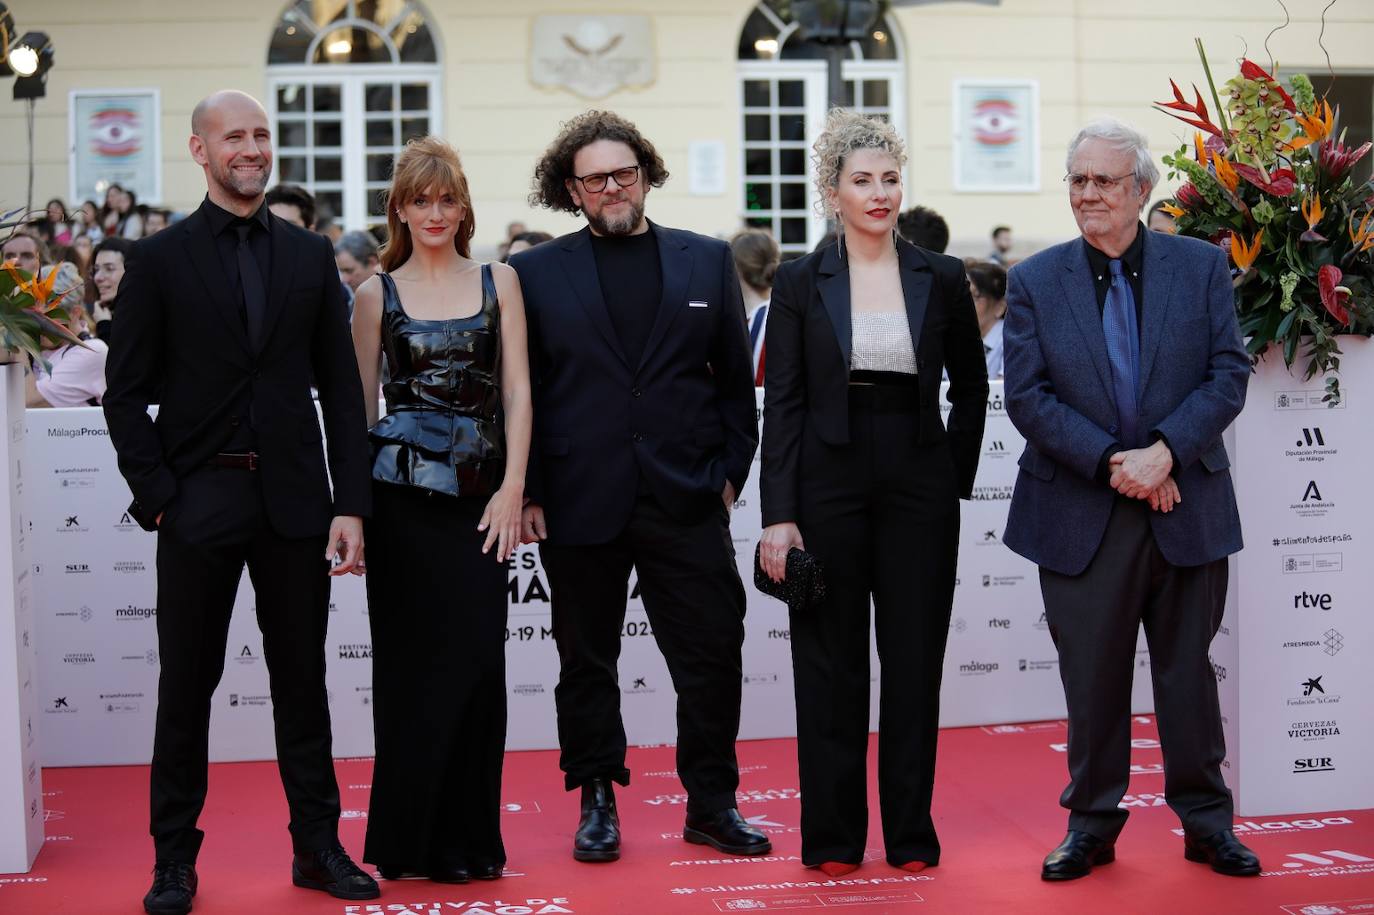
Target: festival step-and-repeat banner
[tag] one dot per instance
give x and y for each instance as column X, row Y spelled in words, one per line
column 95, row 594
column 1294, row 668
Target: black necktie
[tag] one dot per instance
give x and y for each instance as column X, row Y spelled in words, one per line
column 250, row 281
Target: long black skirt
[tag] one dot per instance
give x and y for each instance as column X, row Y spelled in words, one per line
column 437, row 607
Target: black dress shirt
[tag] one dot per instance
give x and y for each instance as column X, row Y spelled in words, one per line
column 632, row 284
column 222, row 226
column 1131, row 262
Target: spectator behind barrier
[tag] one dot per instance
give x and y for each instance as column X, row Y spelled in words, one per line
column 74, row 375
column 107, row 270
column 356, row 257
column 924, row 228
column 292, row 203
column 756, row 260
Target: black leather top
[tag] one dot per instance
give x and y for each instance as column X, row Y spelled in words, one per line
column 444, row 430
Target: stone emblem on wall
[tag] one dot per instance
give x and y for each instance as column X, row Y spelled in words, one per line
column 592, row 55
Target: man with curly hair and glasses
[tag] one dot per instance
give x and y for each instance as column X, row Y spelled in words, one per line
column 644, row 433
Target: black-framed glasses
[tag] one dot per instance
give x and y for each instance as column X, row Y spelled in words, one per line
column 1105, row 184
column 595, row 184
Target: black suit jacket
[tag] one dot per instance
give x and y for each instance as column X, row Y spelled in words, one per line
column 181, row 335
column 806, row 374
column 684, row 417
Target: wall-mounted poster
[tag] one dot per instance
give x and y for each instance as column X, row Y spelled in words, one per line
column 996, row 135
column 116, row 138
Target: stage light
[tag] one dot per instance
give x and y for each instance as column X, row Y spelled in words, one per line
column 31, row 54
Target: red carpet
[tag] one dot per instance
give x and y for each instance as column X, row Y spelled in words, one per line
column 996, row 805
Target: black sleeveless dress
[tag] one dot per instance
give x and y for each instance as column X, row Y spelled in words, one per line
column 436, row 603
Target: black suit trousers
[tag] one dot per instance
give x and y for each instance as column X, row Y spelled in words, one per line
column 694, row 600
column 213, row 529
column 882, row 514
column 1094, row 619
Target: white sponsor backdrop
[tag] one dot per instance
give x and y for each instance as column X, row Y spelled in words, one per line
column 1293, row 658
column 95, row 594
column 21, row 787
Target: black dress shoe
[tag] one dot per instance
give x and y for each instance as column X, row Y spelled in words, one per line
column 174, row 885
column 1224, row 852
column 487, row 871
column 726, row 831
column 598, row 832
column 333, row 872
column 449, row 873
column 1076, row 856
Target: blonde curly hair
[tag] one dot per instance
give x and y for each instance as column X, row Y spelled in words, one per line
column 846, row 132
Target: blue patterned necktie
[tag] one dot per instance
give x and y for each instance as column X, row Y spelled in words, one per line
column 1123, row 351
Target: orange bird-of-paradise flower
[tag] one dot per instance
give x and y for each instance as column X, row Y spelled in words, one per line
column 1362, row 236
column 1200, row 147
column 1226, row 175
column 1172, row 210
column 1316, row 126
column 39, row 289
column 1242, row 253
column 1312, row 211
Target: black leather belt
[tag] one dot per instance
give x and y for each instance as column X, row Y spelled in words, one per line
column 237, row 461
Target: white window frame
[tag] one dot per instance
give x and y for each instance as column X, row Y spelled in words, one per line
column 813, row 74
column 351, row 78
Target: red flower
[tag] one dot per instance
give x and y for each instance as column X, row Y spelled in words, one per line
column 1334, row 296
column 1198, row 108
column 1280, row 182
column 1251, row 70
column 1335, row 158
column 1188, row 197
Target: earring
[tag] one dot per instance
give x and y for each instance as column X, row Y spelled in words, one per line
column 839, row 236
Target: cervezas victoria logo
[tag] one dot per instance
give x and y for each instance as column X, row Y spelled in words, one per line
column 1314, row 730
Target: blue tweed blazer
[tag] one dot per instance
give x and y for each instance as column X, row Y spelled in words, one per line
column 1193, row 375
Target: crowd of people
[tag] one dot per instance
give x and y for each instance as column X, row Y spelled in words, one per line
column 595, row 395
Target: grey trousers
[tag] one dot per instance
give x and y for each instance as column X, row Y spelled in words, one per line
column 1094, row 618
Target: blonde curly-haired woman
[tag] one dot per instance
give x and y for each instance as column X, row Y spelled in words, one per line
column 859, row 470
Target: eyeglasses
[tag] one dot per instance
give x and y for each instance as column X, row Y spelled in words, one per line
column 595, row 184
column 1105, row 184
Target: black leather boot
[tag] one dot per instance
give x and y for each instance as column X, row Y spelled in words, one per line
column 598, row 832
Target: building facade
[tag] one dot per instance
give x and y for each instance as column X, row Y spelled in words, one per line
column 728, row 90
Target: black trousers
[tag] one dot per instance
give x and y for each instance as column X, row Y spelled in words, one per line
column 882, row 515
column 1094, row 619
column 215, row 527
column 694, row 599
column 437, row 609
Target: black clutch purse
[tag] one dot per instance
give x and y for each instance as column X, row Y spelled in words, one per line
column 804, row 585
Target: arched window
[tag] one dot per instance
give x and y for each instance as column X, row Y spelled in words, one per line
column 350, row 81
column 783, row 101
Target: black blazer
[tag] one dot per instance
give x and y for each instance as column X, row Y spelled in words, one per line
column 806, row 374
column 684, row 417
column 179, row 334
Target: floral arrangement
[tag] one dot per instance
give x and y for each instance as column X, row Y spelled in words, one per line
column 30, row 309
column 1271, row 181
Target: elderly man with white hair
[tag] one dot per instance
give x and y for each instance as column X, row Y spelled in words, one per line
column 1124, row 364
